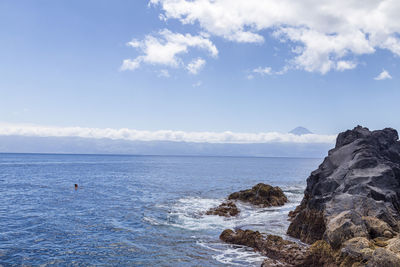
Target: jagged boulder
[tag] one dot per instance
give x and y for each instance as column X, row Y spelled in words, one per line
column 262, row 195
column 352, row 201
column 226, row 209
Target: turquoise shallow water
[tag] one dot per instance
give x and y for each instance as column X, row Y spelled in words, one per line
column 135, row 210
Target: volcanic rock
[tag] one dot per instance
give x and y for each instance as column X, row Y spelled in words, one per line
column 280, row 252
column 226, row 209
column 352, row 201
column 261, row 194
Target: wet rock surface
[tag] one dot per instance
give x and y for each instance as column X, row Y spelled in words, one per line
column 262, row 195
column 279, row 251
column 226, row 209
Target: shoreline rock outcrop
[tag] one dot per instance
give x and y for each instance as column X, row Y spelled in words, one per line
column 352, row 201
column 350, row 213
column 280, row 252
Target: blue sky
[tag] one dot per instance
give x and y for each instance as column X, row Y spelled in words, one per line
column 61, row 66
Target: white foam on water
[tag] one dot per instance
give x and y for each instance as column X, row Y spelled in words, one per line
column 189, row 213
column 234, row 255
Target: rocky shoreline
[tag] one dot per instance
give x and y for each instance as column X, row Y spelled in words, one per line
column 274, row 247
column 260, row 195
column 350, row 212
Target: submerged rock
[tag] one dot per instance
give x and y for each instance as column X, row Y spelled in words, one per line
column 226, row 209
column 352, row 201
column 261, row 194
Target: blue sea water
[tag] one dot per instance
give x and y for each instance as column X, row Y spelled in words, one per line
column 135, row 210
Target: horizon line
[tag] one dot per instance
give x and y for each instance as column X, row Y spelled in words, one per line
column 150, row 155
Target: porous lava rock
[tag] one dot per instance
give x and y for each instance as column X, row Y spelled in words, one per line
column 280, row 252
column 226, row 209
column 262, row 195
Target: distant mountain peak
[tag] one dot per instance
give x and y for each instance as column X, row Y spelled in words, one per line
column 300, row 131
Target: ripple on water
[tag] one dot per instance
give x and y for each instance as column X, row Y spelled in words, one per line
column 133, row 210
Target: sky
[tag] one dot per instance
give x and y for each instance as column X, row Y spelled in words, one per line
column 200, row 66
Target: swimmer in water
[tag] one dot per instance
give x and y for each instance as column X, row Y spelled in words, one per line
column 76, row 186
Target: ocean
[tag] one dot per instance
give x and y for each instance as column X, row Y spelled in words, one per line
column 136, row 210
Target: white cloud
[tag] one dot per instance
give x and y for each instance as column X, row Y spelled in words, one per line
column 345, row 65
column 263, row 71
column 164, row 73
column 164, row 135
column 267, row 71
column 323, row 33
column 129, row 64
column 383, row 76
column 196, row 65
column 245, row 37
column 166, row 48
column 322, row 52
column 134, row 43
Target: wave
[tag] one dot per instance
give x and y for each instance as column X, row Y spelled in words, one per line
column 189, row 213
column 234, row 255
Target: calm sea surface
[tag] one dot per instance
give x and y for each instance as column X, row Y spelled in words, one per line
column 135, row 210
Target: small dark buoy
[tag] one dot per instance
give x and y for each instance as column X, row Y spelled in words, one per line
column 76, row 186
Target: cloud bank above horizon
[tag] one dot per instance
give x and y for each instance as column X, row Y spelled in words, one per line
column 161, row 135
column 322, row 35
